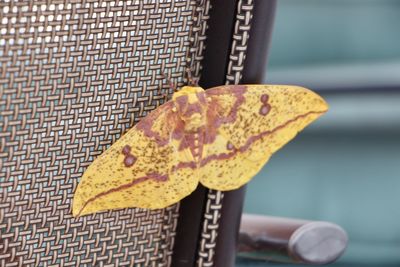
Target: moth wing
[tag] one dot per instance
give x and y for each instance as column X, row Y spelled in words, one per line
column 253, row 122
column 146, row 177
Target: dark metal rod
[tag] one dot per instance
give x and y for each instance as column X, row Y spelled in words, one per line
column 215, row 62
column 253, row 69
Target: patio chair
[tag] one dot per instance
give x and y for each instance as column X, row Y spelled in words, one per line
column 76, row 75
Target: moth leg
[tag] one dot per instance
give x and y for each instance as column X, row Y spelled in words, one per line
column 192, row 80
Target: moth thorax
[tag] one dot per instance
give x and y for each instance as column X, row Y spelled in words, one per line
column 191, row 105
column 194, row 122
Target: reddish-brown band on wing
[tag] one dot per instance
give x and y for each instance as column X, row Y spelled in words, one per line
column 232, row 151
column 136, row 170
column 151, row 176
column 266, row 118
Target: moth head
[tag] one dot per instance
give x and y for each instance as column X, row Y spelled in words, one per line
column 190, row 91
column 191, row 105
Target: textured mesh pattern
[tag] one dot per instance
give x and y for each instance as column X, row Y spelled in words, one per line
column 74, row 77
column 214, row 201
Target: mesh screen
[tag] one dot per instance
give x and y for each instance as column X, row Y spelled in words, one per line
column 74, row 77
column 212, row 213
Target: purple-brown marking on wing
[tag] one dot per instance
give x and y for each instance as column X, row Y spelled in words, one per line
column 183, row 165
column 252, row 139
column 229, row 146
column 235, row 90
column 126, row 150
column 151, row 176
column 264, row 98
column 146, row 123
column 158, row 177
column 214, row 118
column 129, row 160
column 201, row 96
column 181, row 102
column 264, row 109
column 178, row 131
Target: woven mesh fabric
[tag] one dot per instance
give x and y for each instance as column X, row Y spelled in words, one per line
column 214, row 202
column 74, row 76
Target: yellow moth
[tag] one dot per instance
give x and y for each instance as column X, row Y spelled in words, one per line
column 220, row 137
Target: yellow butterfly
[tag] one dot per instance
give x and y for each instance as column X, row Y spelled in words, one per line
column 221, row 138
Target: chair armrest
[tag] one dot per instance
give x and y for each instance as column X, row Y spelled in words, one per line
column 290, row 240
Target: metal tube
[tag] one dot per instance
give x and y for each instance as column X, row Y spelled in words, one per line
column 290, row 240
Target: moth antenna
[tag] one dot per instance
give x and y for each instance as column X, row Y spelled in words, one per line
column 165, row 97
column 172, row 85
column 159, row 90
column 192, row 42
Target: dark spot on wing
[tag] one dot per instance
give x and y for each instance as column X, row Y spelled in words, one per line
column 129, row 160
column 229, row 146
column 126, row 150
column 264, row 98
column 264, row 109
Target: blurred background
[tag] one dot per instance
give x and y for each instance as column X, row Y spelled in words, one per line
column 345, row 168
